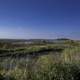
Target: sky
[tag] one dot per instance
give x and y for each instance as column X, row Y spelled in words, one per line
column 40, row 19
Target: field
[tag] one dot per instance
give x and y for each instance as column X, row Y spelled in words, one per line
column 40, row 59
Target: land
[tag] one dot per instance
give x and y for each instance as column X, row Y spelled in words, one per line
column 39, row 59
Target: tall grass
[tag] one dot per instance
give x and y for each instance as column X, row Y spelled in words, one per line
column 71, row 55
column 65, row 66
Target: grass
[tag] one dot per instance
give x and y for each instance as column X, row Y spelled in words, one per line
column 64, row 65
column 71, row 55
column 45, row 68
column 30, row 50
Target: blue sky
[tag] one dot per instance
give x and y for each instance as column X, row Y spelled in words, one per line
column 28, row 19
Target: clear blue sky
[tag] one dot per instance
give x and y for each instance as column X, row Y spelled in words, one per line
column 39, row 19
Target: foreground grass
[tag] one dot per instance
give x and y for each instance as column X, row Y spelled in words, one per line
column 43, row 71
column 64, row 66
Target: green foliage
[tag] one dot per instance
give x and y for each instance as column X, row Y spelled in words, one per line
column 63, row 63
column 71, row 55
column 43, row 68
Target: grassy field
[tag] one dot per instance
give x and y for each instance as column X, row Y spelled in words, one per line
column 53, row 60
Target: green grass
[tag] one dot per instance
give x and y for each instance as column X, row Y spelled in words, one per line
column 44, row 68
column 64, row 65
column 71, row 55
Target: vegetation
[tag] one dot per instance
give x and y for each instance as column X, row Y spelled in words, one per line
column 59, row 61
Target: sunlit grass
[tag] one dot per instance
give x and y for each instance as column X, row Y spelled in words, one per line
column 56, row 65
